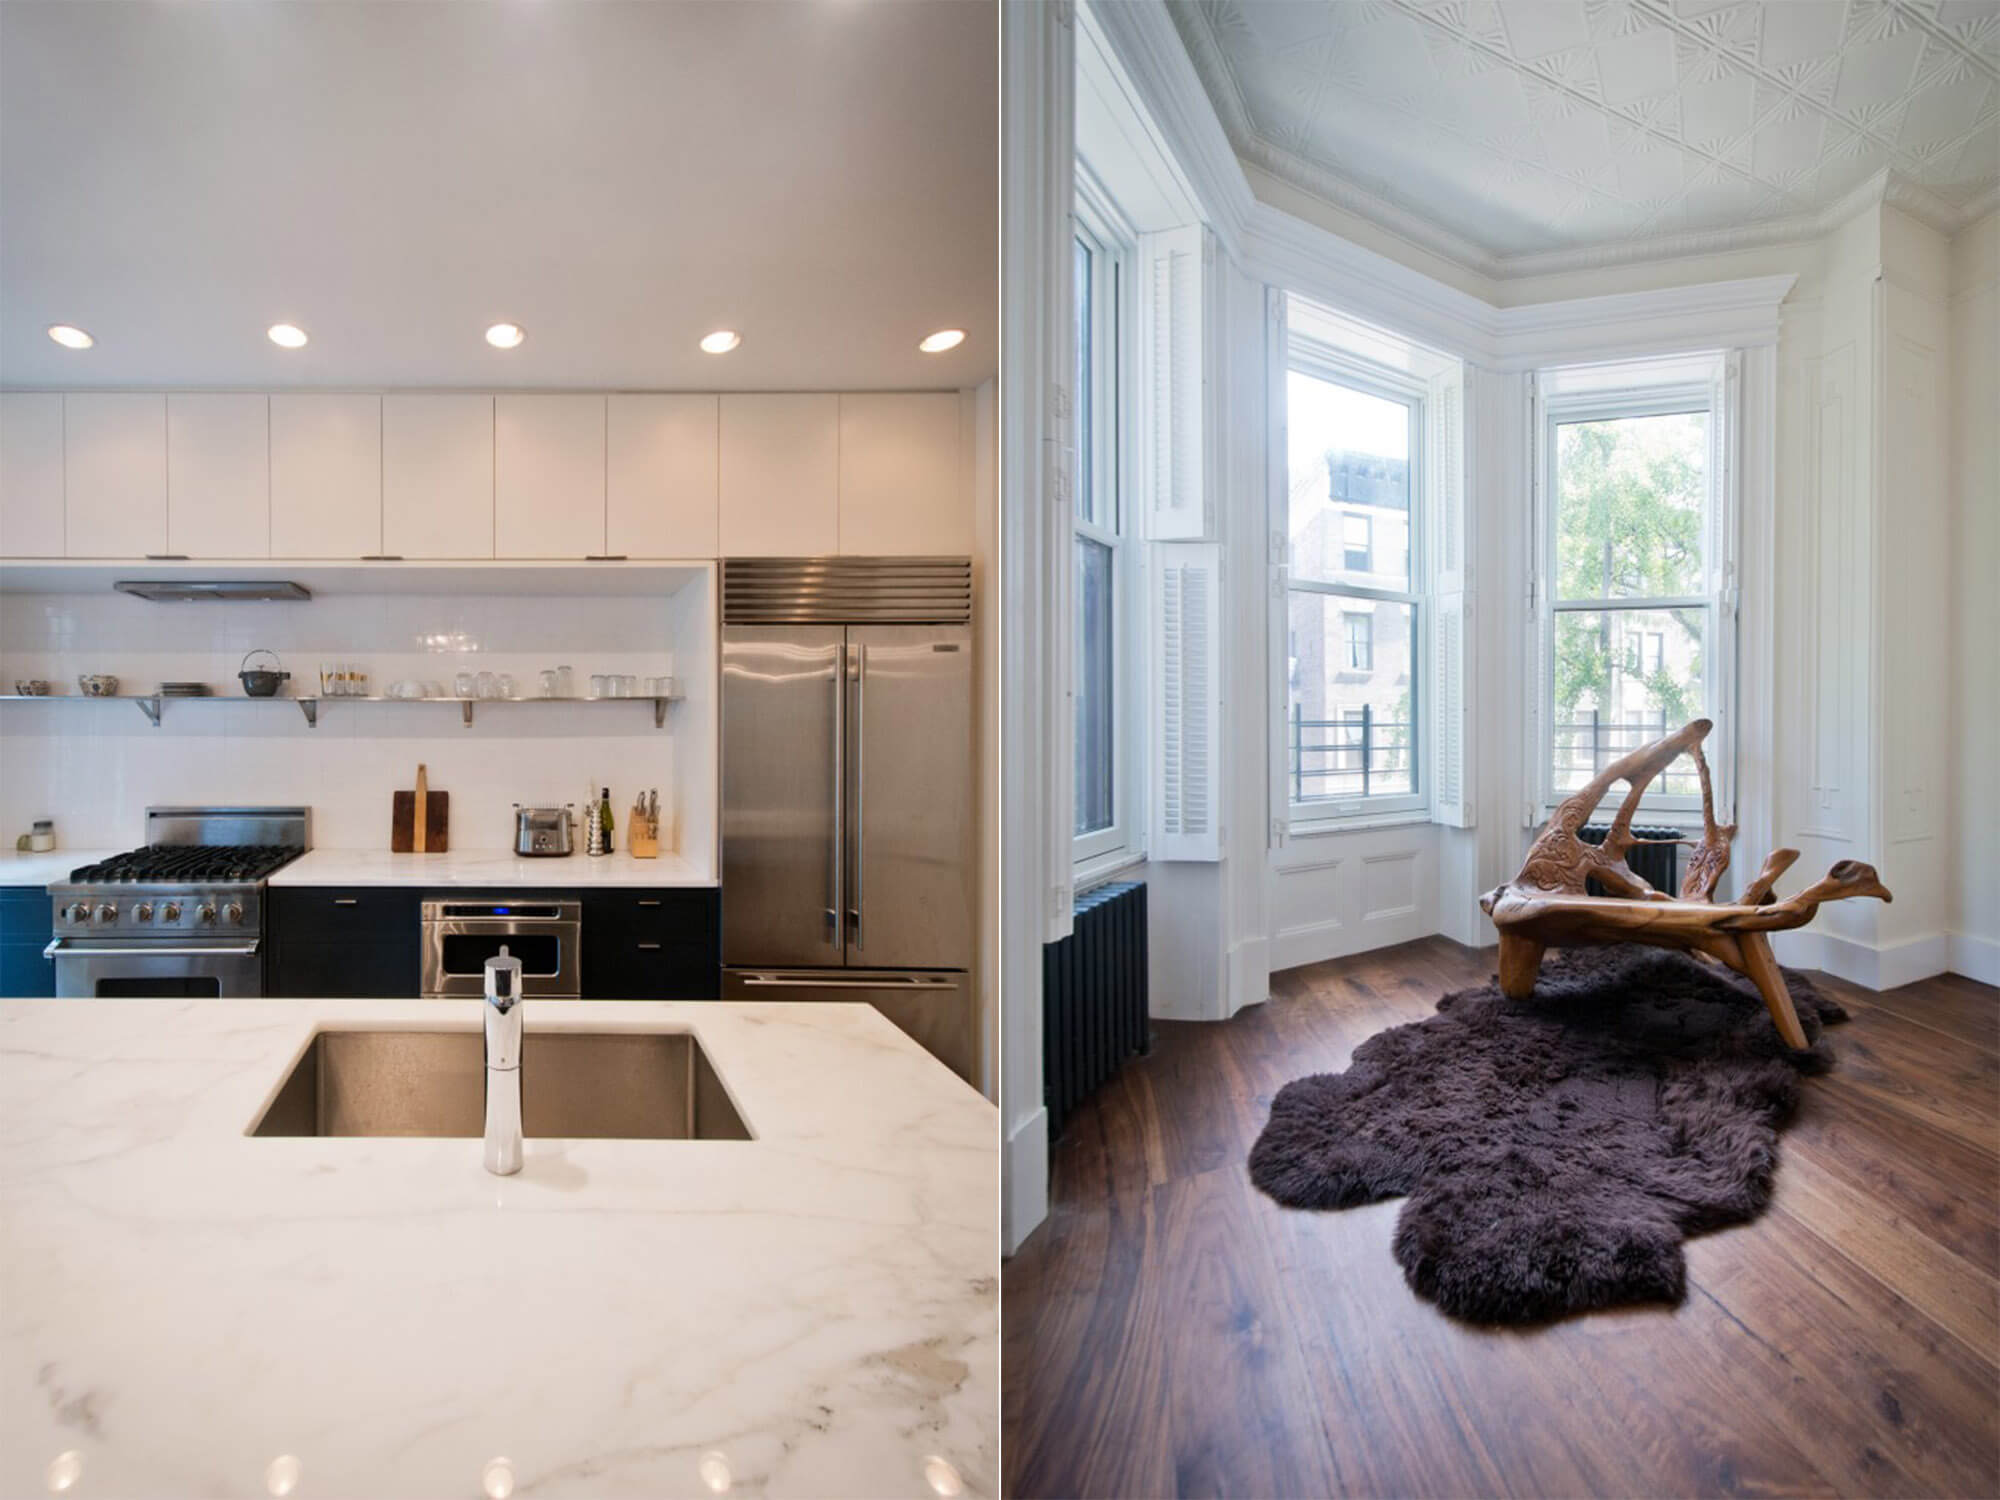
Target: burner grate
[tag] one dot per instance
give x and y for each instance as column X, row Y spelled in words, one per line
column 188, row 863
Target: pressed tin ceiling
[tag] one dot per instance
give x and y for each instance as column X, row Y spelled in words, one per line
column 1518, row 136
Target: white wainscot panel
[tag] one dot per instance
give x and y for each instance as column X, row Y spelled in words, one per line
column 1334, row 894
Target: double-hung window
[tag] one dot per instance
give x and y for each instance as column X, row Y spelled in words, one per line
column 1354, row 587
column 1105, row 794
column 1635, row 546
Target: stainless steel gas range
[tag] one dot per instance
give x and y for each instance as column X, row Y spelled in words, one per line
column 184, row 916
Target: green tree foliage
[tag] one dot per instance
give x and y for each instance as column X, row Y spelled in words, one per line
column 1630, row 494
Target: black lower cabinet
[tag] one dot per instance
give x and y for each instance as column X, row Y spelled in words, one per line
column 366, row 942
column 26, row 924
column 652, row 945
column 344, row 944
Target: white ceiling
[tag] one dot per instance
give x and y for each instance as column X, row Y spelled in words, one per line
column 618, row 178
column 1518, row 134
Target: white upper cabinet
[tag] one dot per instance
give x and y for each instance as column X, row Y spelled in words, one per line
column 219, row 476
column 660, row 496
column 31, row 475
column 326, row 475
column 780, row 475
column 903, row 485
column 437, row 476
column 548, row 476
column 114, row 475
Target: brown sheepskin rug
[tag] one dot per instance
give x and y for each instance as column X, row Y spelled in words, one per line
column 1555, row 1151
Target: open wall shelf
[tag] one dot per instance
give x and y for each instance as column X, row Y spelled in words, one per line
column 151, row 704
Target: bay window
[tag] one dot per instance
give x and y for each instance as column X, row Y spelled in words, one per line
column 1354, row 594
column 1635, row 553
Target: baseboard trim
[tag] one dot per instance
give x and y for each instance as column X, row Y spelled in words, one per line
column 1975, row 957
column 1873, row 968
column 1024, row 1203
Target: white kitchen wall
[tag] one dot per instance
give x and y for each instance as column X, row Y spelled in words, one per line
column 95, row 766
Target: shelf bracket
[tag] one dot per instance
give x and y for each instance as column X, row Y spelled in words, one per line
column 659, row 713
column 310, row 708
column 467, row 706
column 150, row 707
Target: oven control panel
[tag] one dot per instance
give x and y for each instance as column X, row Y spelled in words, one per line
column 135, row 911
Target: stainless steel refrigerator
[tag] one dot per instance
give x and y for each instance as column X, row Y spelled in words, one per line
column 848, row 789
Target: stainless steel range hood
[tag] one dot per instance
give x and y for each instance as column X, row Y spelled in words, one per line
column 181, row 590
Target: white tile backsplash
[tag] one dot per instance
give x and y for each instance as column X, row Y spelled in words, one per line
column 95, row 766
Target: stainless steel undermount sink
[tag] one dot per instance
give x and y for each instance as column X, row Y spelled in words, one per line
column 574, row 1084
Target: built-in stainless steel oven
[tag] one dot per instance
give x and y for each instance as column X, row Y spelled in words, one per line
column 460, row 935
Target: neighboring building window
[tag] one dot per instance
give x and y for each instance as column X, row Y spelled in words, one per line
column 1630, row 629
column 1102, row 604
column 1360, row 632
column 1359, row 533
column 1353, row 603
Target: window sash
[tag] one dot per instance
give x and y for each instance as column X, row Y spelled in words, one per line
column 1680, row 398
column 1107, row 460
column 1320, row 361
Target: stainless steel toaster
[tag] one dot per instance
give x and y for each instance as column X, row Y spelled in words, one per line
column 544, row 830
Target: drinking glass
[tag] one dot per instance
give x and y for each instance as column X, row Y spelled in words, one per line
column 599, row 686
column 464, row 685
column 548, row 682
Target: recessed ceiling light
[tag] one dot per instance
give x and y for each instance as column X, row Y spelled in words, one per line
column 943, row 339
column 70, row 338
column 287, row 335
column 721, row 341
column 505, row 335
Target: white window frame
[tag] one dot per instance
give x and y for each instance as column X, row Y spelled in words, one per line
column 1322, row 361
column 1679, row 384
column 1113, row 243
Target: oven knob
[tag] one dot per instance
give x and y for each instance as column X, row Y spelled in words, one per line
column 233, row 914
column 171, row 912
column 107, row 913
column 205, row 914
column 77, row 912
column 143, row 912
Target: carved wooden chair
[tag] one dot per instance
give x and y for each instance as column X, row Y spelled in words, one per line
column 1546, row 903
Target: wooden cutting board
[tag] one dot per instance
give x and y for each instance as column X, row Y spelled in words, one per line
column 420, row 820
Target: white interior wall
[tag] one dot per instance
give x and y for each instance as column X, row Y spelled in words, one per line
column 1973, row 313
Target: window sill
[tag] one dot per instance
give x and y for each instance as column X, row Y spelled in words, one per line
column 1104, row 869
column 1358, row 823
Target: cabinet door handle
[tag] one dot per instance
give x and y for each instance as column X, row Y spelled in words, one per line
column 649, row 903
column 649, row 947
column 346, row 900
column 166, row 557
column 604, row 557
column 381, row 557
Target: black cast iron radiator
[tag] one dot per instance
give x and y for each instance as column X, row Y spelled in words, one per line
column 1659, row 865
column 1094, row 1013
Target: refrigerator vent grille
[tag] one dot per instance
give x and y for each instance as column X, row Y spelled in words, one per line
column 846, row 590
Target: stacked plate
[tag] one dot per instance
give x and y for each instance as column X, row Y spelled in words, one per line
column 183, row 690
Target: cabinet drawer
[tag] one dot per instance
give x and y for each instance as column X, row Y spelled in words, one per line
column 377, row 913
column 630, row 967
column 346, row 969
column 669, row 915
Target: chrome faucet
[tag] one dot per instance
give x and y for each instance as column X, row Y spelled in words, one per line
column 503, row 1064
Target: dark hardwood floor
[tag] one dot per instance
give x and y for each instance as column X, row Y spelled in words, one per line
column 1169, row 1331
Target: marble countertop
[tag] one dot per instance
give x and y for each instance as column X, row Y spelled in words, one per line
column 17, row 868
column 814, row 1312
column 499, row 868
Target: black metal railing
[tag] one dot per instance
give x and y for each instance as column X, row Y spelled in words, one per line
column 1586, row 745
column 1361, row 756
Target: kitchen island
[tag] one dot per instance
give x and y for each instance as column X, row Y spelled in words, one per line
column 189, row 1309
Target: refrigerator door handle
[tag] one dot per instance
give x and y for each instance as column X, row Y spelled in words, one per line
column 819, row 982
column 860, row 782
column 836, row 850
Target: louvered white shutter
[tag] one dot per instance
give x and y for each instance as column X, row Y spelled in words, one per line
column 1176, row 346
column 1451, row 599
column 1186, row 629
